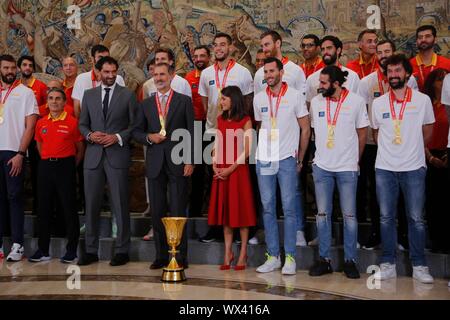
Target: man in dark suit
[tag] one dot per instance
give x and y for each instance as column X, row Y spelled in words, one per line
column 163, row 117
column 108, row 116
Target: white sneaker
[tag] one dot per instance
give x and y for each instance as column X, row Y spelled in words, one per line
column 301, row 241
column 253, row 240
column 401, row 248
column 16, row 253
column 387, row 271
column 290, row 266
column 358, row 246
column 422, row 274
column 314, row 242
column 271, row 264
column 258, row 238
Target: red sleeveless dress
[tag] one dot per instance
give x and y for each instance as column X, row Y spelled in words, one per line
column 231, row 201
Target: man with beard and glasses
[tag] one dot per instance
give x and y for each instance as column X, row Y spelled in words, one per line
column 18, row 115
column 367, row 61
column 26, row 66
column 179, row 84
column 201, row 61
column 310, row 48
column 107, row 119
column 225, row 72
column 159, row 117
column 370, row 88
column 282, row 141
column 294, row 76
column 427, row 60
column 402, row 120
column 339, row 120
column 331, row 48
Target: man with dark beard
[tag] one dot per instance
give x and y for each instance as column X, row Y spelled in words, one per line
column 201, row 61
column 402, row 120
column 18, row 114
column 26, row 66
column 339, row 119
column 427, row 60
column 331, row 48
column 370, row 88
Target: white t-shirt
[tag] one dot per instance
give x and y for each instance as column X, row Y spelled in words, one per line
column 369, row 89
column 445, row 98
column 238, row 76
column 178, row 84
column 344, row 156
column 410, row 155
column 292, row 106
column 312, row 83
column 20, row 104
column 293, row 76
column 83, row 82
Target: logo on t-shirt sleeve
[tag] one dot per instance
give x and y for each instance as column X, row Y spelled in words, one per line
column 321, row 114
column 376, row 94
column 264, row 109
column 212, row 82
column 386, row 115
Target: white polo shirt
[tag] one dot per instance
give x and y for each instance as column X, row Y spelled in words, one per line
column 293, row 75
column 445, row 98
column 410, row 155
column 369, row 89
column 344, row 156
column 178, row 84
column 20, row 104
column 238, row 76
column 83, row 82
column 292, row 106
column 312, row 83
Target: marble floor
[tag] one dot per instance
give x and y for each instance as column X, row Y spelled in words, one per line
column 54, row 280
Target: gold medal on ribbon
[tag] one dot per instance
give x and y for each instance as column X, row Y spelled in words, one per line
column 397, row 132
column 163, row 132
column 273, row 134
column 330, row 144
column 219, row 106
column 163, row 126
column 397, row 140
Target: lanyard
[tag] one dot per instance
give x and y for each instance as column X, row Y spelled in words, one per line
column 344, row 95
column 403, row 107
column 11, row 88
column 230, row 66
column 283, row 90
column 158, row 105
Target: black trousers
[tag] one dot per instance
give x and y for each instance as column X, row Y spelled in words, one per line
column 437, row 206
column 57, row 179
column 159, row 205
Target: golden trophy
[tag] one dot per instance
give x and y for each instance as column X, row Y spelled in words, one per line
column 174, row 231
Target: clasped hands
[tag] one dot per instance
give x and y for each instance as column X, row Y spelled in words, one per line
column 104, row 139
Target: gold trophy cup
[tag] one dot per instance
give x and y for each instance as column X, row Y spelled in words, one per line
column 174, row 231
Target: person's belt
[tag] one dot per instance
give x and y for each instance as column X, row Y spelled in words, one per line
column 58, row 159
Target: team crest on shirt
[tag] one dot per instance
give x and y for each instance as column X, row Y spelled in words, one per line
column 386, row 115
column 376, row 94
column 44, row 130
column 264, row 109
column 212, row 82
column 321, row 114
column 264, row 81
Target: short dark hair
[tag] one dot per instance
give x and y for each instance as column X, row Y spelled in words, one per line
column 108, row 60
column 7, row 57
column 170, row 67
column 275, row 35
column 435, row 75
column 336, row 74
column 336, row 41
column 150, row 63
column 208, row 52
column 384, row 41
column 23, row 58
column 224, row 35
column 367, row 31
column 61, row 91
column 399, row 59
column 237, row 110
column 169, row 52
column 426, row 27
column 313, row 37
column 98, row 48
column 276, row 60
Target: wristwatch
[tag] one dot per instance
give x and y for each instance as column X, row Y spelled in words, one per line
column 22, row 153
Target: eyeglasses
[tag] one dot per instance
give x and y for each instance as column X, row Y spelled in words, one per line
column 307, row 45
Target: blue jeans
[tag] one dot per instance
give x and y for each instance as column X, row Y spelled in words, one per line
column 11, row 198
column 412, row 184
column 285, row 172
column 347, row 183
column 300, row 223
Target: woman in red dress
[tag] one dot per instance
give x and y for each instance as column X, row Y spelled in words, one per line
column 231, row 204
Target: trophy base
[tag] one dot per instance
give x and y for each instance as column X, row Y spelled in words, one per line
column 173, row 275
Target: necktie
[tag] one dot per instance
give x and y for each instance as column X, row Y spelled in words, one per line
column 106, row 102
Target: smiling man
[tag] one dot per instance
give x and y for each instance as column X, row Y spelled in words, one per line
column 367, row 61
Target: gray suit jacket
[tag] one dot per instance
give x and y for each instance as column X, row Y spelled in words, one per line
column 121, row 119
